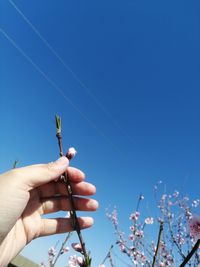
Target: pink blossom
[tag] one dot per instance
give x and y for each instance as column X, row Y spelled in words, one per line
column 135, row 216
column 66, row 249
column 52, row 251
column 149, row 220
column 75, row 261
column 132, row 228
column 80, row 260
column 170, row 203
column 71, row 153
column 175, row 194
column 188, row 214
column 194, row 225
column 139, row 233
column 113, row 217
column 195, row 203
column 77, row 247
column 51, row 254
column 141, row 197
column 122, row 246
column 72, row 261
column 131, row 237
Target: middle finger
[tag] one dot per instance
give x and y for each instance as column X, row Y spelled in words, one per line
column 59, row 189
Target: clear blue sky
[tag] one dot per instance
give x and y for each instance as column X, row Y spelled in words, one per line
column 128, row 96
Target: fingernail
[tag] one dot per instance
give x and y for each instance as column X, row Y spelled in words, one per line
column 93, row 204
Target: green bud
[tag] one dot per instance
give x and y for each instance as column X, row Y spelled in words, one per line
column 58, row 124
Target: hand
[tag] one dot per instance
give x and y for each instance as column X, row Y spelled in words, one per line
column 29, row 192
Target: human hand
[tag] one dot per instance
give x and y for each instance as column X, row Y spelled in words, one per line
column 29, row 192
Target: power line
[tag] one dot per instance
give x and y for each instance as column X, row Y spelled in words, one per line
column 56, row 87
column 66, row 66
column 122, row 261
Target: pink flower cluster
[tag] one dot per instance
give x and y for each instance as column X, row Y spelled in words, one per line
column 134, row 216
column 75, row 261
column 51, row 254
column 180, row 230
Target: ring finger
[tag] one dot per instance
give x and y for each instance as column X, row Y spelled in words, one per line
column 63, row 204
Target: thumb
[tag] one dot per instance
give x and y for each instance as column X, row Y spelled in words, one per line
column 36, row 175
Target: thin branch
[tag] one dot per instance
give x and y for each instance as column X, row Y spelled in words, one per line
column 64, row 178
column 107, row 255
column 61, row 248
column 15, row 164
column 189, row 256
column 158, row 244
column 174, row 240
column 110, row 260
column 138, row 202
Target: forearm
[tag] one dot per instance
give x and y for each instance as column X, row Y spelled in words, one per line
column 6, row 254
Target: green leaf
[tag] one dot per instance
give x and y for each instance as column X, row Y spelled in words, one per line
column 88, row 261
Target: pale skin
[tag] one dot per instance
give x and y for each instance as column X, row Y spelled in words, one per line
column 29, row 192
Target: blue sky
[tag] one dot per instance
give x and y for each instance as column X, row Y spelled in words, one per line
column 128, row 94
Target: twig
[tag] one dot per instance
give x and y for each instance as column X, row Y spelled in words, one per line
column 15, row 164
column 138, row 202
column 158, row 244
column 174, row 241
column 107, row 255
column 73, row 216
column 58, row 134
column 110, row 260
column 61, row 248
column 189, row 256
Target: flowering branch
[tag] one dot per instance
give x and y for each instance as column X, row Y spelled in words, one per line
column 174, row 240
column 61, row 249
column 158, row 244
column 176, row 213
column 75, row 223
column 189, row 256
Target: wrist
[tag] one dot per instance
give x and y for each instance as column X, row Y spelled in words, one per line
column 5, row 255
column 9, row 249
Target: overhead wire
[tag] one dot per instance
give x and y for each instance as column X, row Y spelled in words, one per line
column 66, row 66
column 58, row 89
column 121, row 260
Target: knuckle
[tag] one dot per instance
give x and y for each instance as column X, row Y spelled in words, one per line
column 50, row 166
column 16, row 173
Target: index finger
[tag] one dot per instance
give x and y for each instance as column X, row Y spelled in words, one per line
column 36, row 175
